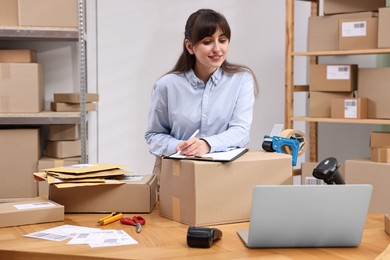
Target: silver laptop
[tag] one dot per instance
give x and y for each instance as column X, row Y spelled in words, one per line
column 307, row 216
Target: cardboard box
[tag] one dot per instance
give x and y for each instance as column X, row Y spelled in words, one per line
column 365, row 171
column 323, row 32
column 387, row 224
column 383, row 28
column 21, row 87
column 307, row 177
column 351, row 6
column 320, row 102
column 63, row 132
column 16, row 56
column 30, row 212
column 337, row 78
column 201, row 193
column 373, row 84
column 63, row 149
column 19, row 155
column 137, row 196
column 357, row 34
column 349, row 108
column 8, row 12
column 75, row 97
column 48, row 13
column 380, row 139
column 70, row 107
column 381, row 155
column 51, row 162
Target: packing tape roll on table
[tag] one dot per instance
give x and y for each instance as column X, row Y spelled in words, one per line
column 294, row 134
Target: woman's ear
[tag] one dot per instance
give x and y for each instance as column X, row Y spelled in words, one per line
column 189, row 46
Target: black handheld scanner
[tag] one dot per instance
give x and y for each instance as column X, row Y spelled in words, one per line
column 327, row 170
column 202, row 237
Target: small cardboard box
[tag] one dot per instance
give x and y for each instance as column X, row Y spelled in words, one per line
column 351, row 6
column 323, row 32
column 357, row 34
column 349, row 108
column 63, row 132
column 63, row 149
column 136, row 196
column 21, row 87
column 18, row 56
column 365, row 171
column 373, row 84
column 48, row 13
column 380, row 139
column 75, row 97
column 20, row 151
column 201, row 193
column 320, row 102
column 28, row 212
column 337, row 78
column 8, row 12
column 70, row 107
column 381, row 155
column 383, row 28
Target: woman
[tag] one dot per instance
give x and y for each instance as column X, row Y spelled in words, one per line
column 202, row 92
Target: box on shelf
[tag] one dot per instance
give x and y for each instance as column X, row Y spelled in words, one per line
column 320, row 102
column 18, row 56
column 63, row 149
column 379, row 139
column 138, row 196
column 64, row 132
column 201, row 193
column 323, row 32
column 349, row 108
column 381, row 155
column 329, row 77
column 351, row 6
column 33, row 211
column 48, row 13
column 71, row 107
column 307, row 177
column 75, row 97
column 356, row 34
column 19, row 154
column 383, row 28
column 9, row 13
column 365, row 171
column 373, row 84
column 21, row 87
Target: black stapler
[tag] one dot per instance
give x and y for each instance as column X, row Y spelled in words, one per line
column 202, row 237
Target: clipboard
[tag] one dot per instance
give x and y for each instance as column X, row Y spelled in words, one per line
column 227, row 156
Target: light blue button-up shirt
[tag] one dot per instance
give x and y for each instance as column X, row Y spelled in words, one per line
column 222, row 110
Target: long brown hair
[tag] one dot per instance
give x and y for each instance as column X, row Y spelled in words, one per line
column 203, row 23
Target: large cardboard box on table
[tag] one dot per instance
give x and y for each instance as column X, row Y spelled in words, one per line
column 357, row 34
column 383, row 28
column 320, row 102
column 365, row 171
column 32, row 211
column 9, row 13
column 351, row 6
column 19, row 154
column 201, row 193
column 21, row 87
column 135, row 196
column 332, row 77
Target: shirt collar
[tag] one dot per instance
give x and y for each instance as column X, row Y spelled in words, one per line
column 196, row 82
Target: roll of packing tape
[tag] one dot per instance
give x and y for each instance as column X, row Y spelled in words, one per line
column 294, row 134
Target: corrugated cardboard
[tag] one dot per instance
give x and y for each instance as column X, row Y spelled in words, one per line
column 351, row 6
column 8, row 12
column 16, row 56
column 30, row 212
column 75, row 97
column 373, row 84
column 324, row 30
column 201, row 193
column 320, row 102
column 383, row 28
column 333, row 77
column 63, row 149
column 136, row 197
column 48, row 13
column 307, row 173
column 381, row 155
column 19, row 155
column 63, row 132
column 380, row 139
column 21, row 87
column 363, row 37
column 349, row 108
column 70, row 107
column 364, row 171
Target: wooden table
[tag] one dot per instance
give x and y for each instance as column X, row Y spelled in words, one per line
column 162, row 238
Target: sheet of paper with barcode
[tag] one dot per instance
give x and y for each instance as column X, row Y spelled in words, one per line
column 103, row 238
column 350, row 108
column 354, row 29
column 61, row 233
column 339, row 72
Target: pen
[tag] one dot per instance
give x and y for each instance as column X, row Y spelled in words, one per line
column 110, row 218
column 193, row 135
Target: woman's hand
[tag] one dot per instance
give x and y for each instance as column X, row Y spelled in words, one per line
column 193, row 147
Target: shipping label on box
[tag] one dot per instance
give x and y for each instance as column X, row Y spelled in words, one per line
column 201, row 193
column 355, row 34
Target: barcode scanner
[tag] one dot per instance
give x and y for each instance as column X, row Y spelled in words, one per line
column 327, row 170
column 202, row 237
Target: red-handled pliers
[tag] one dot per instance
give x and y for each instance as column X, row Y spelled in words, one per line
column 137, row 221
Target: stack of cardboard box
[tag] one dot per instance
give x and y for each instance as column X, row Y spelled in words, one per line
column 71, row 102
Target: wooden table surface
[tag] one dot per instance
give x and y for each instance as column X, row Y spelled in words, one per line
column 162, row 238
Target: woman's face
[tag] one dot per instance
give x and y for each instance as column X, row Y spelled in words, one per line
column 210, row 52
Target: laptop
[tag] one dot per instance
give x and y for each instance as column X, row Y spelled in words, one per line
column 307, row 216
